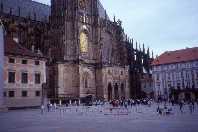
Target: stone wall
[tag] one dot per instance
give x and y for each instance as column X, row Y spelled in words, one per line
column 68, row 80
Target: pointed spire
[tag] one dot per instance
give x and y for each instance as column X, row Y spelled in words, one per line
column 105, row 15
column 126, row 37
column 140, row 48
column 114, row 18
column 143, row 49
column 132, row 42
column 152, row 55
column 136, row 45
column 148, row 52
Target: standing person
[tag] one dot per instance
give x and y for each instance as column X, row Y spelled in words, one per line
column 55, row 106
column 125, row 104
column 190, row 107
column 48, row 107
column 131, row 103
column 193, row 105
column 42, row 109
column 181, row 103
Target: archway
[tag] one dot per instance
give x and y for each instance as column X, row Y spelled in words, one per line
column 109, row 92
column 86, row 78
column 116, row 91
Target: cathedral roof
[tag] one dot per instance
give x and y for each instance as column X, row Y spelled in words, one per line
column 13, row 48
column 183, row 55
column 30, row 8
column 27, row 8
column 101, row 10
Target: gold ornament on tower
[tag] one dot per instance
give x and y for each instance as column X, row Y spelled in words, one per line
column 83, row 42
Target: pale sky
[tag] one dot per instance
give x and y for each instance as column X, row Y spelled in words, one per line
column 163, row 25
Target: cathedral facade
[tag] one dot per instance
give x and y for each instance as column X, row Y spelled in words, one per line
column 89, row 48
column 88, row 54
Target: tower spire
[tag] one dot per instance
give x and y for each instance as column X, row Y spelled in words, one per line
column 143, row 49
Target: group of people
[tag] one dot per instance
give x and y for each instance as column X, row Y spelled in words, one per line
column 50, row 107
column 190, row 103
column 126, row 103
column 180, row 103
column 130, row 102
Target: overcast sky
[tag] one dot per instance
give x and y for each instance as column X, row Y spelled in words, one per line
column 163, row 25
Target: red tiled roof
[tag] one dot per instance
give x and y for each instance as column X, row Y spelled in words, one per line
column 184, row 55
column 13, row 48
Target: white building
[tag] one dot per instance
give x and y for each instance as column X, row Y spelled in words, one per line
column 175, row 74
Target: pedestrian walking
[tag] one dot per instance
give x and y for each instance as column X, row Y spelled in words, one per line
column 125, row 104
column 42, row 109
column 193, row 105
column 48, row 107
column 190, row 107
column 181, row 103
column 55, row 106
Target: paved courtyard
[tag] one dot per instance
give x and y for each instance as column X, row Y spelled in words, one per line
column 99, row 119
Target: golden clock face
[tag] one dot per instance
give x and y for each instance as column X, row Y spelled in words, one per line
column 83, row 42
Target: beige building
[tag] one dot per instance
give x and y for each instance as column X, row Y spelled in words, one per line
column 24, row 74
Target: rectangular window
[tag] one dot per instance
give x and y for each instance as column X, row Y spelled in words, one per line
column 24, row 93
column 37, row 93
column 11, row 94
column 157, row 76
column 4, row 94
column 24, row 62
column 11, row 60
column 37, row 78
column 24, row 78
column 11, row 77
column 37, row 63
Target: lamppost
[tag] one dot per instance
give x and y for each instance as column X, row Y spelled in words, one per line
column 2, row 107
column 43, row 98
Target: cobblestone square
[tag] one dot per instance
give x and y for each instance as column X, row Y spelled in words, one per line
column 99, row 119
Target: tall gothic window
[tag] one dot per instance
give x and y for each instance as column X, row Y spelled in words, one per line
column 86, row 83
column 86, row 80
column 83, row 42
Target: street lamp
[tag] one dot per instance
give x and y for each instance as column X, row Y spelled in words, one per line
column 2, row 107
column 44, row 87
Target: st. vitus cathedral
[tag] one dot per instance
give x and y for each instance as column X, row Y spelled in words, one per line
column 88, row 54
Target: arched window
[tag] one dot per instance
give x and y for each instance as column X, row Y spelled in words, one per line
column 86, row 82
column 83, row 42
